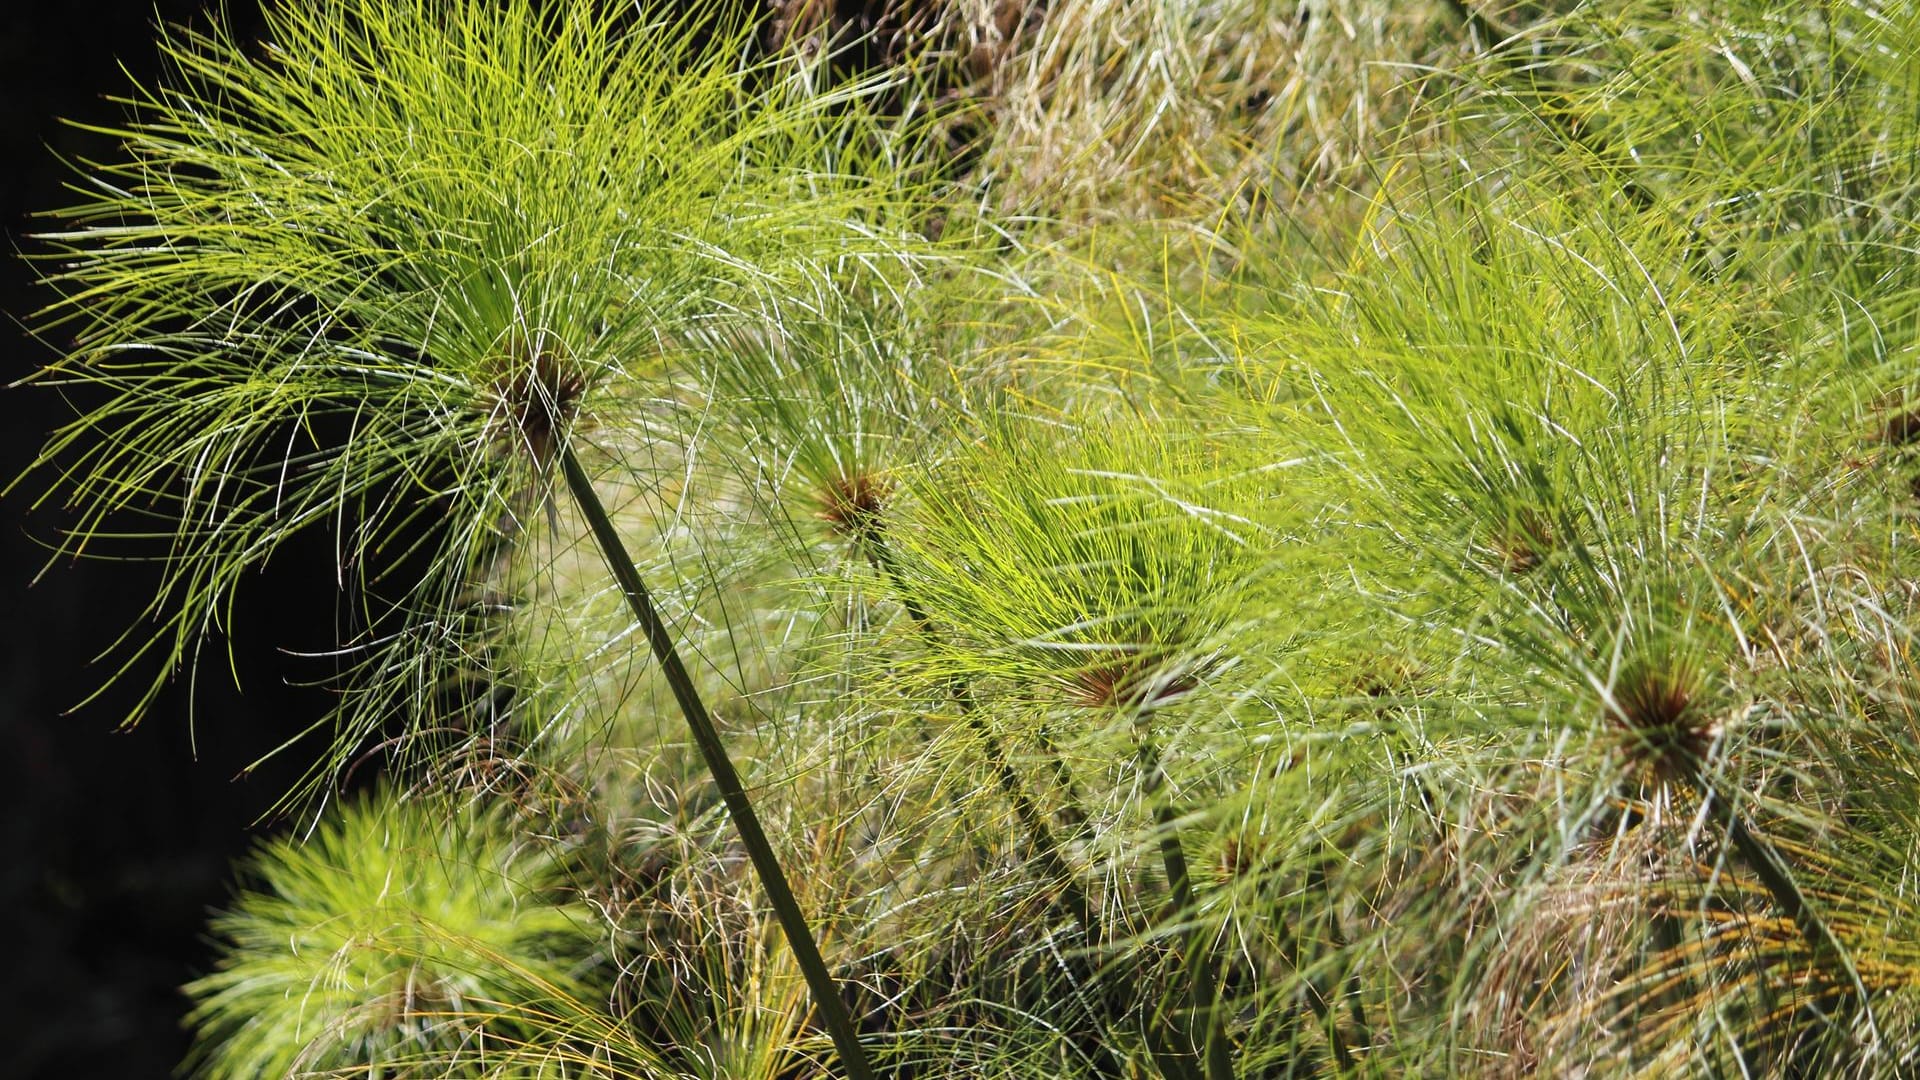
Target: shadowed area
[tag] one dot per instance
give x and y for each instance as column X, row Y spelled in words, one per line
column 117, row 843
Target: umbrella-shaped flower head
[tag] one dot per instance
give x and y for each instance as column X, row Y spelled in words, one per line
column 367, row 277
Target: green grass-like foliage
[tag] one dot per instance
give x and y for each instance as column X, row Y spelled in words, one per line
column 371, row 273
column 1442, row 605
column 398, row 939
column 1095, row 562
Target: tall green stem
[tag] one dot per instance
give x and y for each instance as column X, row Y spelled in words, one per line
column 1040, row 835
column 793, row 922
column 1342, row 1057
column 1210, row 1035
column 874, row 542
column 1172, row 1063
column 1046, row 847
column 1766, row 862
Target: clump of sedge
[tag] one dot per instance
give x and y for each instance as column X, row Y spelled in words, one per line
column 1524, row 542
column 1130, row 680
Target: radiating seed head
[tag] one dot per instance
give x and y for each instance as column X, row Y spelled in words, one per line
column 1135, row 681
column 1524, row 541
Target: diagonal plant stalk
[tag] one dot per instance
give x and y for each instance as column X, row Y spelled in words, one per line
column 1342, row 1056
column 1046, row 846
column 816, row 409
column 1111, row 556
column 1763, row 857
column 1171, row 1062
column 1040, row 835
column 1207, row 1029
column 826, row 990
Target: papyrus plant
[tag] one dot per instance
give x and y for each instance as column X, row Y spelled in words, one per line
column 1092, row 568
column 398, row 930
column 382, row 274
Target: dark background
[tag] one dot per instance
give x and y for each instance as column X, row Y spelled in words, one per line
column 113, row 846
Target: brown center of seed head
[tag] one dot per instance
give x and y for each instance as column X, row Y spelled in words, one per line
column 539, row 398
column 1659, row 707
column 852, row 504
column 1524, row 542
column 1132, row 681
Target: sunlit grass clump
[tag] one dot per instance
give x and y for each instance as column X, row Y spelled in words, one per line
column 401, row 938
column 1082, row 556
column 375, row 272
